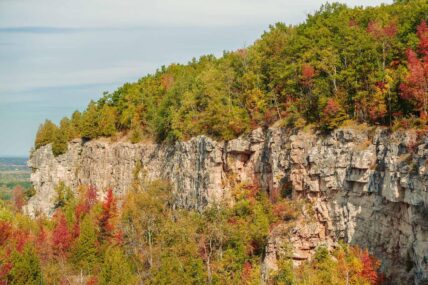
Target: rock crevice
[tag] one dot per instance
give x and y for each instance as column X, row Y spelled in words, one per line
column 367, row 186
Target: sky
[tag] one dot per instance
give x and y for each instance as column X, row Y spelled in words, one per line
column 57, row 55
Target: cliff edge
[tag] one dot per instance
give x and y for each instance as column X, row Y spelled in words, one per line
column 367, row 186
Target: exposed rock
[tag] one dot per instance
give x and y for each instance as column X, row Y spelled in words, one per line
column 367, row 187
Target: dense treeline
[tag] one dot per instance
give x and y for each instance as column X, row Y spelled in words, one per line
column 364, row 64
column 148, row 241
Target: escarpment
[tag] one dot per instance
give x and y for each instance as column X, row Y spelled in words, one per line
column 366, row 186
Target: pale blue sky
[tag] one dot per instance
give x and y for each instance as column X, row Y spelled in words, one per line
column 56, row 55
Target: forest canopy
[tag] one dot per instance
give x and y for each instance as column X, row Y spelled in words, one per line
column 142, row 238
column 369, row 65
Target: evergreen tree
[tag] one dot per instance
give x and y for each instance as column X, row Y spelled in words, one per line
column 106, row 124
column 45, row 134
column 89, row 122
column 26, row 268
column 116, row 269
column 60, row 142
column 85, row 249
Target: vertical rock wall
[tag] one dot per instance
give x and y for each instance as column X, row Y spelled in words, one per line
column 367, row 187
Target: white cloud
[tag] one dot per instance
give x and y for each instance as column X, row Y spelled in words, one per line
column 48, row 73
column 53, row 78
column 114, row 13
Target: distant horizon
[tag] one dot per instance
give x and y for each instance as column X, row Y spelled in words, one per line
column 54, row 61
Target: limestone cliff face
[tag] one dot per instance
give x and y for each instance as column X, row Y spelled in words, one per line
column 366, row 187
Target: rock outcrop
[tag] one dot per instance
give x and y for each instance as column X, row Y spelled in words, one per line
column 366, row 186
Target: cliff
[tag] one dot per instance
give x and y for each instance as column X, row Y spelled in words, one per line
column 366, row 186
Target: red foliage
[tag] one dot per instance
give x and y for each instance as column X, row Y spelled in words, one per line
column 18, row 198
column 5, row 232
column 93, row 280
column 415, row 88
column 76, row 229
column 89, row 200
column 279, row 209
column 109, row 211
column 308, row 72
column 353, row 23
column 118, row 237
column 423, row 39
column 246, row 271
column 20, row 238
column 42, row 245
column 331, row 108
column 382, row 32
column 370, row 267
column 167, row 81
column 252, row 190
column 61, row 236
column 91, row 196
column 5, row 269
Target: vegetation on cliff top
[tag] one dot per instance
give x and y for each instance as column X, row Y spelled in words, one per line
column 148, row 241
column 364, row 64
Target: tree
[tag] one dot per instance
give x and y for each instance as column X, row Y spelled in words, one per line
column 88, row 200
column 422, row 32
column 18, row 197
column 144, row 226
column 332, row 115
column 84, row 253
column 106, row 121
column 26, row 267
column 105, row 222
column 370, row 267
column 309, row 100
column 384, row 35
column 89, row 122
column 63, row 135
column 116, row 269
column 6, row 232
column 45, row 134
column 76, row 124
column 64, row 195
column 136, row 128
column 415, row 87
column 61, row 236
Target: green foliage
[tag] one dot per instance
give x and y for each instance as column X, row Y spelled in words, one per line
column 153, row 242
column 116, row 269
column 84, row 253
column 60, row 142
column 341, row 63
column 26, row 267
column 66, row 200
column 284, row 275
column 45, row 134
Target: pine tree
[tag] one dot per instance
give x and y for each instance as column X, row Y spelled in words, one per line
column 45, row 134
column 76, row 124
column 26, row 268
column 89, row 122
column 85, row 249
column 116, row 269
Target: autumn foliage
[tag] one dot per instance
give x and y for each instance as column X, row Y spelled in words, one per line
column 415, row 88
column 61, row 236
column 106, row 222
column 355, row 56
